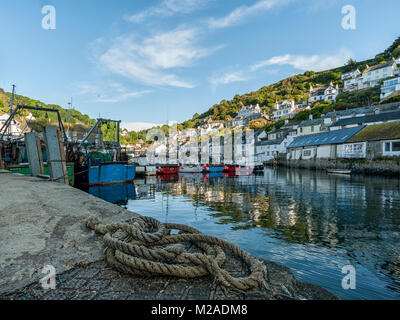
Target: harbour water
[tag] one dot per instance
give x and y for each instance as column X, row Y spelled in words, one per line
column 312, row 222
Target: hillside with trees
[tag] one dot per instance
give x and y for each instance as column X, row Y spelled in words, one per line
column 296, row 87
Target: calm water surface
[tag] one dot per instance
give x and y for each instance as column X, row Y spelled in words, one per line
column 312, row 222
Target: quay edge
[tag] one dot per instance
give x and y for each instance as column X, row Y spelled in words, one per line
column 384, row 167
column 43, row 223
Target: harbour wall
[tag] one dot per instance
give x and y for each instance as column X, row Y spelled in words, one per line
column 382, row 167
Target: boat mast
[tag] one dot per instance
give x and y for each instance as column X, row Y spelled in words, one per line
column 12, row 99
column 69, row 116
column 11, row 103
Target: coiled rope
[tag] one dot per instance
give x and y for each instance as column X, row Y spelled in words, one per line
column 145, row 246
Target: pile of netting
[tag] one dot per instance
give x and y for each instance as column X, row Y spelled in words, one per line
column 145, row 246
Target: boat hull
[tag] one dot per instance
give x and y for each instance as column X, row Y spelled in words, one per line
column 243, row 171
column 345, row 172
column 189, row 169
column 168, row 170
column 146, row 170
column 212, row 169
column 113, row 173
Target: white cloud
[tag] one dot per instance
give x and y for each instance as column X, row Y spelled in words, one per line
column 168, row 8
column 302, row 62
column 243, row 12
column 107, row 92
column 137, row 126
column 227, row 78
column 148, row 59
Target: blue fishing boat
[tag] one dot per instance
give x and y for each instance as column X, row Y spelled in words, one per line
column 103, row 162
column 213, row 168
column 111, row 173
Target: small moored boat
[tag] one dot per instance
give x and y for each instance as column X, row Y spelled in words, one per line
column 168, row 169
column 191, row 169
column 339, row 171
column 213, row 168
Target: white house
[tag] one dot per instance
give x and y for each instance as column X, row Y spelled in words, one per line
column 209, row 127
column 274, row 145
column 372, row 75
column 324, row 94
column 351, row 74
column 352, row 84
column 389, row 87
column 325, row 145
column 381, row 140
column 246, row 115
column 14, row 128
column 284, row 110
column 250, row 110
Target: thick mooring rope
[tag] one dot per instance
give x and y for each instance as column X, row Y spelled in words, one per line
column 145, row 246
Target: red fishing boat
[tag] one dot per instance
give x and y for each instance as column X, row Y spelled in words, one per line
column 168, row 169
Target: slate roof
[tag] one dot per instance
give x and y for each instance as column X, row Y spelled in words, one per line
column 380, row 117
column 329, row 137
column 269, row 142
column 348, row 112
column 311, row 122
column 380, row 66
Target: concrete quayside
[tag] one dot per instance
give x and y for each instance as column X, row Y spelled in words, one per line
column 44, row 223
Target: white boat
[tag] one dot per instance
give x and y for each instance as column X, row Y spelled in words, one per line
column 143, row 167
column 339, row 171
column 244, row 171
column 191, row 169
column 151, row 170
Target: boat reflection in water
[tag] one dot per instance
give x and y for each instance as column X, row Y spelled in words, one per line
column 120, row 194
column 168, row 178
column 313, row 222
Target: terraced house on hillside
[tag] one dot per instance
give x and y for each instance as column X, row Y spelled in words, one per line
column 324, row 94
column 371, row 76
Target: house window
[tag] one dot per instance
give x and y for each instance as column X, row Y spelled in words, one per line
column 348, row 148
column 387, row 147
column 301, row 130
column 307, row 153
column 358, row 148
column 312, row 128
column 396, row 146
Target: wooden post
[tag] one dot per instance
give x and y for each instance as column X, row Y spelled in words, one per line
column 63, row 157
column 55, row 155
column 1, row 156
column 34, row 152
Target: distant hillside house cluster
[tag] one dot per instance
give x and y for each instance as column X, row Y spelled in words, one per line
column 246, row 115
column 371, row 77
column 367, row 132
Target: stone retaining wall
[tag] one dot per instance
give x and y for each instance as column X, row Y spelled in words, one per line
column 362, row 166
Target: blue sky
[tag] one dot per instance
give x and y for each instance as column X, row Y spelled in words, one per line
column 157, row 60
